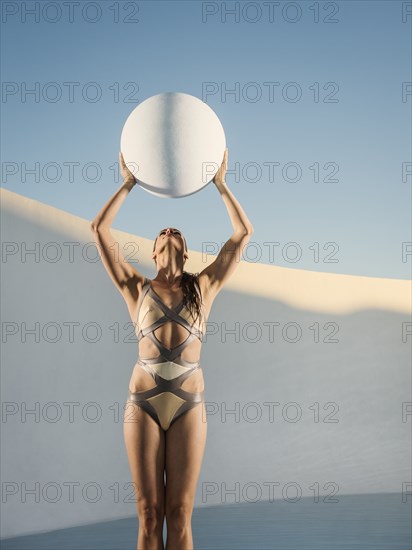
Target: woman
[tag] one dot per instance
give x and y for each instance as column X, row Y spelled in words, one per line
column 165, row 418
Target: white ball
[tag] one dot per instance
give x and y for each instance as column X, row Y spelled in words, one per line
column 173, row 143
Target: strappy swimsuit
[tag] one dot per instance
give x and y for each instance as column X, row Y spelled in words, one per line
column 167, row 401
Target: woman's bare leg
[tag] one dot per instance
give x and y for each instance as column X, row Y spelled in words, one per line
column 145, row 445
column 185, row 445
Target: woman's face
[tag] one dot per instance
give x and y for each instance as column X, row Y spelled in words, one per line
column 170, row 233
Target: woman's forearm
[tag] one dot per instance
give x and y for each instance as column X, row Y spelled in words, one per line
column 240, row 221
column 107, row 214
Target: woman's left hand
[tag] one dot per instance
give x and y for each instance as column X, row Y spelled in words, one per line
column 219, row 178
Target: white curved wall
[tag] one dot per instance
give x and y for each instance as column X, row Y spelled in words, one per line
column 349, row 393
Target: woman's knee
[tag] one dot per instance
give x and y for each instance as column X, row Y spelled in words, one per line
column 178, row 516
column 151, row 516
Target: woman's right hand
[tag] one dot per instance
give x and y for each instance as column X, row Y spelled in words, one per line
column 127, row 175
column 219, row 179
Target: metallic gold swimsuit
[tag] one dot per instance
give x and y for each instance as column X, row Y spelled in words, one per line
column 167, row 401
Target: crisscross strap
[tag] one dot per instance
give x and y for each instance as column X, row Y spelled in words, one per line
column 171, row 386
column 162, row 381
column 169, row 315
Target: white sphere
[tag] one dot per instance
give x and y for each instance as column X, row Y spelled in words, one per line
column 173, row 143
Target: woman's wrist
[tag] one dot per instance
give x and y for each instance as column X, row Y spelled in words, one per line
column 129, row 183
column 221, row 184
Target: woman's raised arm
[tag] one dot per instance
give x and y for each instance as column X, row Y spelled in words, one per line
column 228, row 259
column 125, row 277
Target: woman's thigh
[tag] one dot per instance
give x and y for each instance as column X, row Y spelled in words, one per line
column 185, row 445
column 145, row 445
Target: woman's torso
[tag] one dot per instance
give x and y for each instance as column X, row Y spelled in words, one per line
column 170, row 334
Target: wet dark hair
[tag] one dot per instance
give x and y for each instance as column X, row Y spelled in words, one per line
column 189, row 283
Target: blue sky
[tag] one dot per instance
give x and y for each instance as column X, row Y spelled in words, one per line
column 347, row 61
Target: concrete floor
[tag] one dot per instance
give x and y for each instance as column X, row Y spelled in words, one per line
column 356, row 522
